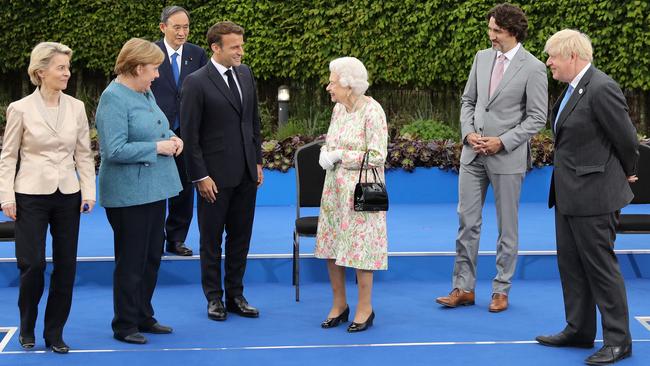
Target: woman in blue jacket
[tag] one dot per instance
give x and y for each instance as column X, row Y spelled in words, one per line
column 137, row 174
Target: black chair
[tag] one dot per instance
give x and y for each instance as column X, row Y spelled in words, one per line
column 310, row 178
column 638, row 223
column 7, row 231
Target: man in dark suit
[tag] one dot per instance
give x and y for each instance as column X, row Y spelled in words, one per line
column 595, row 157
column 221, row 130
column 181, row 59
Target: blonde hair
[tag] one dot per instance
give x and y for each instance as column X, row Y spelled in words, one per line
column 41, row 56
column 569, row 41
column 351, row 73
column 135, row 52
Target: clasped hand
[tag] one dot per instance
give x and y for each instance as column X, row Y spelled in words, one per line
column 484, row 145
column 327, row 159
column 173, row 146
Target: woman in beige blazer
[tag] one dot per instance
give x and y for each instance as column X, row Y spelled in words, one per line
column 47, row 177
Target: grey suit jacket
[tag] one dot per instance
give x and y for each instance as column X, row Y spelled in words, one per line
column 596, row 148
column 515, row 113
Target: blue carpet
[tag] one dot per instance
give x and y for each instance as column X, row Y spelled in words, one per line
column 406, row 314
column 411, row 228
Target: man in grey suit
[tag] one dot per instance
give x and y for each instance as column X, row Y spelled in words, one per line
column 503, row 105
column 596, row 150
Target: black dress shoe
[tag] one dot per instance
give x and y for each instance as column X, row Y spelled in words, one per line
column 57, row 346
column 609, row 354
column 135, row 338
column 178, row 248
column 334, row 322
column 27, row 342
column 156, row 328
column 239, row 305
column 360, row 327
column 563, row 340
column 216, row 310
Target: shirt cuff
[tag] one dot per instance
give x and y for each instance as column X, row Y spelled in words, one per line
column 198, row 180
column 6, row 203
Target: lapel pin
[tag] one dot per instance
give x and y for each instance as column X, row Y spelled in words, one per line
column 580, row 91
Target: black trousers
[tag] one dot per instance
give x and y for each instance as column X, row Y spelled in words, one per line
column 138, row 235
column 233, row 211
column 591, row 277
column 181, row 207
column 34, row 214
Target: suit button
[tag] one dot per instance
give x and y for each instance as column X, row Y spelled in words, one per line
column 487, row 109
column 159, row 122
column 163, row 135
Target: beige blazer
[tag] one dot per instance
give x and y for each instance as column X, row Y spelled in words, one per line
column 54, row 154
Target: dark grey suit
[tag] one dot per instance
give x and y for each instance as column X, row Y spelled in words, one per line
column 595, row 150
column 515, row 112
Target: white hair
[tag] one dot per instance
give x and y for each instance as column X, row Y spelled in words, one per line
column 351, row 73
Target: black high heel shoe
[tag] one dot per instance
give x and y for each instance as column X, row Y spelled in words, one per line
column 360, row 327
column 334, row 322
column 27, row 342
column 57, row 347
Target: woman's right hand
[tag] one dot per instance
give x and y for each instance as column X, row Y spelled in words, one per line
column 10, row 211
column 166, row 147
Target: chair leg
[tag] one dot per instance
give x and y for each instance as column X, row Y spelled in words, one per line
column 293, row 261
column 298, row 275
column 296, row 264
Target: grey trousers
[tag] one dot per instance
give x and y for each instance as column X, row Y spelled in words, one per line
column 473, row 182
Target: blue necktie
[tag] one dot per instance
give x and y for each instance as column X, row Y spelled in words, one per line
column 175, row 67
column 567, row 95
column 176, row 78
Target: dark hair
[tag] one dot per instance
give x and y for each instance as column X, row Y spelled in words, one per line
column 510, row 18
column 171, row 10
column 220, row 29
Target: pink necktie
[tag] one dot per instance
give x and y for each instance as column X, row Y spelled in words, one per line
column 497, row 73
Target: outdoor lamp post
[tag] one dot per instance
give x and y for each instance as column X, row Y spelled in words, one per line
column 283, row 105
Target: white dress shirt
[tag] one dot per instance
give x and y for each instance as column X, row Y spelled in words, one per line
column 509, row 55
column 171, row 51
column 222, row 71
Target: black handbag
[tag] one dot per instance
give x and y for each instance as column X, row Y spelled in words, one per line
column 370, row 196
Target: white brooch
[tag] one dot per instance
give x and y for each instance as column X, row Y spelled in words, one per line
column 580, row 91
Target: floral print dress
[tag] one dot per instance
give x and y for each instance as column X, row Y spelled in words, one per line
column 353, row 239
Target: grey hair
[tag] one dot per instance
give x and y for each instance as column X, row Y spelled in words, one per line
column 42, row 55
column 351, row 73
column 171, row 10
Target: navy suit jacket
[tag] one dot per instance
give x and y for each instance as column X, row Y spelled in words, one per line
column 168, row 95
column 595, row 149
column 222, row 138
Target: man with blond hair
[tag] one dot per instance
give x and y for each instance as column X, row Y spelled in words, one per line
column 595, row 158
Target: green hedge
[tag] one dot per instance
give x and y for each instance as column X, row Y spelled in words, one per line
column 402, row 42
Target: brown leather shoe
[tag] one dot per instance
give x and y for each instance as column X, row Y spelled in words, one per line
column 456, row 297
column 499, row 303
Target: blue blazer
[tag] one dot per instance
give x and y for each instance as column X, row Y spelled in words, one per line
column 131, row 172
column 168, row 95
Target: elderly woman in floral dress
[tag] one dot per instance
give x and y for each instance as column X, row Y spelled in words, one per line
column 347, row 238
